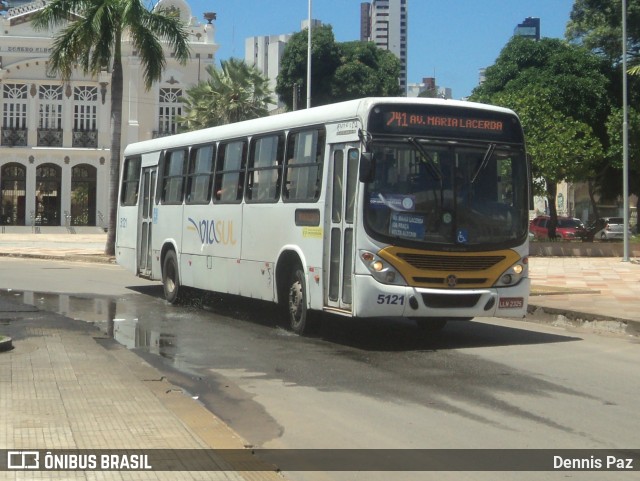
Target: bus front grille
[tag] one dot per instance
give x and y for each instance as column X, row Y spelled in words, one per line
column 450, row 263
column 440, row 281
column 444, row 301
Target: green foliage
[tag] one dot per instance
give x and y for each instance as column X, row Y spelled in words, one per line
column 234, row 92
column 597, row 24
column 561, row 148
column 93, row 39
column 365, row 71
column 573, row 76
column 325, row 59
column 339, row 71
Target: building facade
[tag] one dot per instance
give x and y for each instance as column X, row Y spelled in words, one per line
column 530, row 28
column 265, row 53
column 55, row 136
column 387, row 25
column 428, row 85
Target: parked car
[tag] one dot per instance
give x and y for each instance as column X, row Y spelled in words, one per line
column 606, row 229
column 568, row 228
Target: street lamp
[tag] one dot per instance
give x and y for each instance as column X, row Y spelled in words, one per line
column 625, row 136
column 309, row 59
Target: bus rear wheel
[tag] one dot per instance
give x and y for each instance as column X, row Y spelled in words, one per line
column 297, row 301
column 171, row 279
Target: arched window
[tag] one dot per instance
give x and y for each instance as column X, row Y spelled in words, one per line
column 83, row 195
column 12, row 187
column 48, row 185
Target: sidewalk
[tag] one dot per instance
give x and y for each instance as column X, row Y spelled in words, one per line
column 66, row 386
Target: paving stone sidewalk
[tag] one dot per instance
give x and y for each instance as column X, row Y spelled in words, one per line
column 66, row 386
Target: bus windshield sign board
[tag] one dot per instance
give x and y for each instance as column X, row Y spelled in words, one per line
column 434, row 121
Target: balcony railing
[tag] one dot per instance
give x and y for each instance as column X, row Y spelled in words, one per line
column 49, row 137
column 85, row 138
column 14, row 137
column 160, row 133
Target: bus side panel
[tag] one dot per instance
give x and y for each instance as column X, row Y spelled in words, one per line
column 211, row 237
column 267, row 230
column 126, row 237
column 166, row 218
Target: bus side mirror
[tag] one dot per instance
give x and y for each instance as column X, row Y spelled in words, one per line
column 367, row 167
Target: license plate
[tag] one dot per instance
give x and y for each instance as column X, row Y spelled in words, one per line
column 511, row 302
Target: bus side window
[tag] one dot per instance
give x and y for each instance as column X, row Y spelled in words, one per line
column 200, row 174
column 265, row 169
column 130, row 181
column 229, row 177
column 173, row 177
column 305, row 153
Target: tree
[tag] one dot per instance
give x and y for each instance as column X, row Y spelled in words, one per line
column 365, row 71
column 597, row 24
column 574, row 76
column 91, row 37
column 339, row 71
column 234, row 92
column 561, row 148
column 325, row 59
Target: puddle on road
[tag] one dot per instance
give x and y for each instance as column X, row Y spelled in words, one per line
column 118, row 318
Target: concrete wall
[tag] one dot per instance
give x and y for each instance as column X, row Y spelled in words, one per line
column 581, row 249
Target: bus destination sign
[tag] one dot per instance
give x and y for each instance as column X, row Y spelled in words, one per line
column 447, row 122
column 404, row 119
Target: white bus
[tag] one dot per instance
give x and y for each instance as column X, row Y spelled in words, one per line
column 378, row 207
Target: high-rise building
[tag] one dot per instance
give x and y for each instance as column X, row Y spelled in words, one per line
column 265, row 53
column 530, row 28
column 385, row 22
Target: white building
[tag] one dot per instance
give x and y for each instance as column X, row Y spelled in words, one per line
column 387, row 27
column 55, row 136
column 265, row 53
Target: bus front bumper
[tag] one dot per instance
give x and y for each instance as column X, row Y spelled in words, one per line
column 374, row 299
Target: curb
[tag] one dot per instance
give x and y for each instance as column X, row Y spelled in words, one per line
column 6, row 344
column 97, row 258
column 566, row 318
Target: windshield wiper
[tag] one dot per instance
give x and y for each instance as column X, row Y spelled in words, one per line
column 485, row 160
column 426, row 159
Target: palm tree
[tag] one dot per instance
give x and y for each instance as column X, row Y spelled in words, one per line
column 92, row 35
column 233, row 93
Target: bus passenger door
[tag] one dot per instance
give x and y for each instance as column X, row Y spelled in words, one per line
column 146, row 220
column 340, row 241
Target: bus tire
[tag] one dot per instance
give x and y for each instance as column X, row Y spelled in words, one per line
column 297, row 301
column 171, row 279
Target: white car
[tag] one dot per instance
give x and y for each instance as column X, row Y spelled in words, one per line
column 607, row 228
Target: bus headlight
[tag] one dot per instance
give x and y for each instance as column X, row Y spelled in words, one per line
column 513, row 275
column 381, row 270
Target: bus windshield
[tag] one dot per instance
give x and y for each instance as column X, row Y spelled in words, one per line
column 442, row 194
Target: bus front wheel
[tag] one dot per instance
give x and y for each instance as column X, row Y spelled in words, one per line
column 171, row 278
column 297, row 301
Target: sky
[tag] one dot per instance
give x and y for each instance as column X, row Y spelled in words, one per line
column 450, row 40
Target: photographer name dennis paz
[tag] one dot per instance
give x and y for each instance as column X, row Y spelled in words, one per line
column 592, row 462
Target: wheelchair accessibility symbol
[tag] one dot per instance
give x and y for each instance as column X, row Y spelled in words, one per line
column 462, row 237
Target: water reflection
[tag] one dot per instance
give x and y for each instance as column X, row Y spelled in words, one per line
column 118, row 318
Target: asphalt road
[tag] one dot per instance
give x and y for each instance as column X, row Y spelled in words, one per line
column 489, row 383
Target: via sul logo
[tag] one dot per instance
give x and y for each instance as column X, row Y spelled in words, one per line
column 214, row 232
